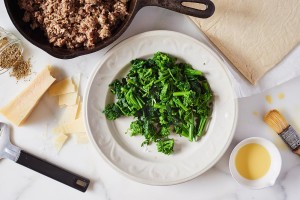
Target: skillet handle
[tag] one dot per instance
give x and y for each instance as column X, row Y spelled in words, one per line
column 73, row 180
column 176, row 5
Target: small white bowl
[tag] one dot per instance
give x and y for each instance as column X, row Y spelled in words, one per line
column 275, row 167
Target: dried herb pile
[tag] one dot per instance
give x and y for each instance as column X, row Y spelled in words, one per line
column 11, row 58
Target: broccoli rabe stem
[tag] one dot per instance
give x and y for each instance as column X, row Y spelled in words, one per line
column 157, row 105
column 179, row 103
column 193, row 72
column 162, row 79
column 134, row 100
column 191, row 129
column 172, row 75
column 178, row 94
column 201, row 126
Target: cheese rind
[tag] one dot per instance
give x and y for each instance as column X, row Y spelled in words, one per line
column 62, row 87
column 19, row 109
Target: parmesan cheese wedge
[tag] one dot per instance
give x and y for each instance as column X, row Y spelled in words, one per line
column 75, row 126
column 62, row 87
column 69, row 99
column 19, row 109
column 60, row 141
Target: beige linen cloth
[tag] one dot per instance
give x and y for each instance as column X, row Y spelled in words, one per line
column 254, row 35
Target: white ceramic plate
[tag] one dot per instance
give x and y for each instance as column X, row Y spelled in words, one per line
column 125, row 153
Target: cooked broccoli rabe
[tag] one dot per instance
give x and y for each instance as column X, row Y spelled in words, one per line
column 164, row 96
column 165, row 146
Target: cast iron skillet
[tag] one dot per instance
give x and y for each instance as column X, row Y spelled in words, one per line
column 37, row 37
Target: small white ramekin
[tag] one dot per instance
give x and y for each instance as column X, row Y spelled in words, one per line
column 267, row 180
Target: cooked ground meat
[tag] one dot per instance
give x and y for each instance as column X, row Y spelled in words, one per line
column 75, row 23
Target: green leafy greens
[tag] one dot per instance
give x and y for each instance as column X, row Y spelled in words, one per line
column 164, row 96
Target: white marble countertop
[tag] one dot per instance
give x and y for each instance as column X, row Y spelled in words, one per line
column 18, row 182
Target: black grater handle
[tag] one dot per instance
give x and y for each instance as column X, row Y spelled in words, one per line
column 73, row 180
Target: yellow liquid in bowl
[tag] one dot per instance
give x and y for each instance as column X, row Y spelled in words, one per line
column 252, row 161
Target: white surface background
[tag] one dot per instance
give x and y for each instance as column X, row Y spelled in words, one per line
column 18, row 182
